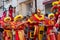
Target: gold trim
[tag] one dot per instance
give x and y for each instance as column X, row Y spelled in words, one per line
column 42, row 18
column 29, row 21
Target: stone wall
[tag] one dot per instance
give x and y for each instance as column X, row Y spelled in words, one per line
column 23, row 8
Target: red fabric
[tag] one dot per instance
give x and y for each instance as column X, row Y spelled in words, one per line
column 5, row 35
column 34, row 18
column 57, row 25
column 56, row 16
column 17, row 36
column 58, row 10
column 17, row 23
column 50, row 27
column 46, row 22
column 52, row 37
column 11, row 13
column 20, row 27
column 36, row 25
column 2, row 23
column 13, row 25
column 35, row 37
column 3, row 16
column 56, row 7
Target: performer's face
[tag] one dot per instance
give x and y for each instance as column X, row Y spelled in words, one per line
column 7, row 21
column 38, row 12
column 19, row 20
column 51, row 17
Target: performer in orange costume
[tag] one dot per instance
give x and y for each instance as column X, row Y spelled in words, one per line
column 19, row 29
column 51, row 22
column 57, row 27
column 7, row 29
column 38, row 17
column 32, row 28
column 56, row 6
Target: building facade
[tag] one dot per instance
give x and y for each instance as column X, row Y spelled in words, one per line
column 27, row 7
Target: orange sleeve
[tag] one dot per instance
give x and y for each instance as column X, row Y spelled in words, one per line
column 13, row 25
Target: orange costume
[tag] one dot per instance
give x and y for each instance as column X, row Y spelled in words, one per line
column 56, row 6
column 40, row 28
column 7, row 29
column 57, row 26
column 32, row 28
column 19, row 29
column 51, row 22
